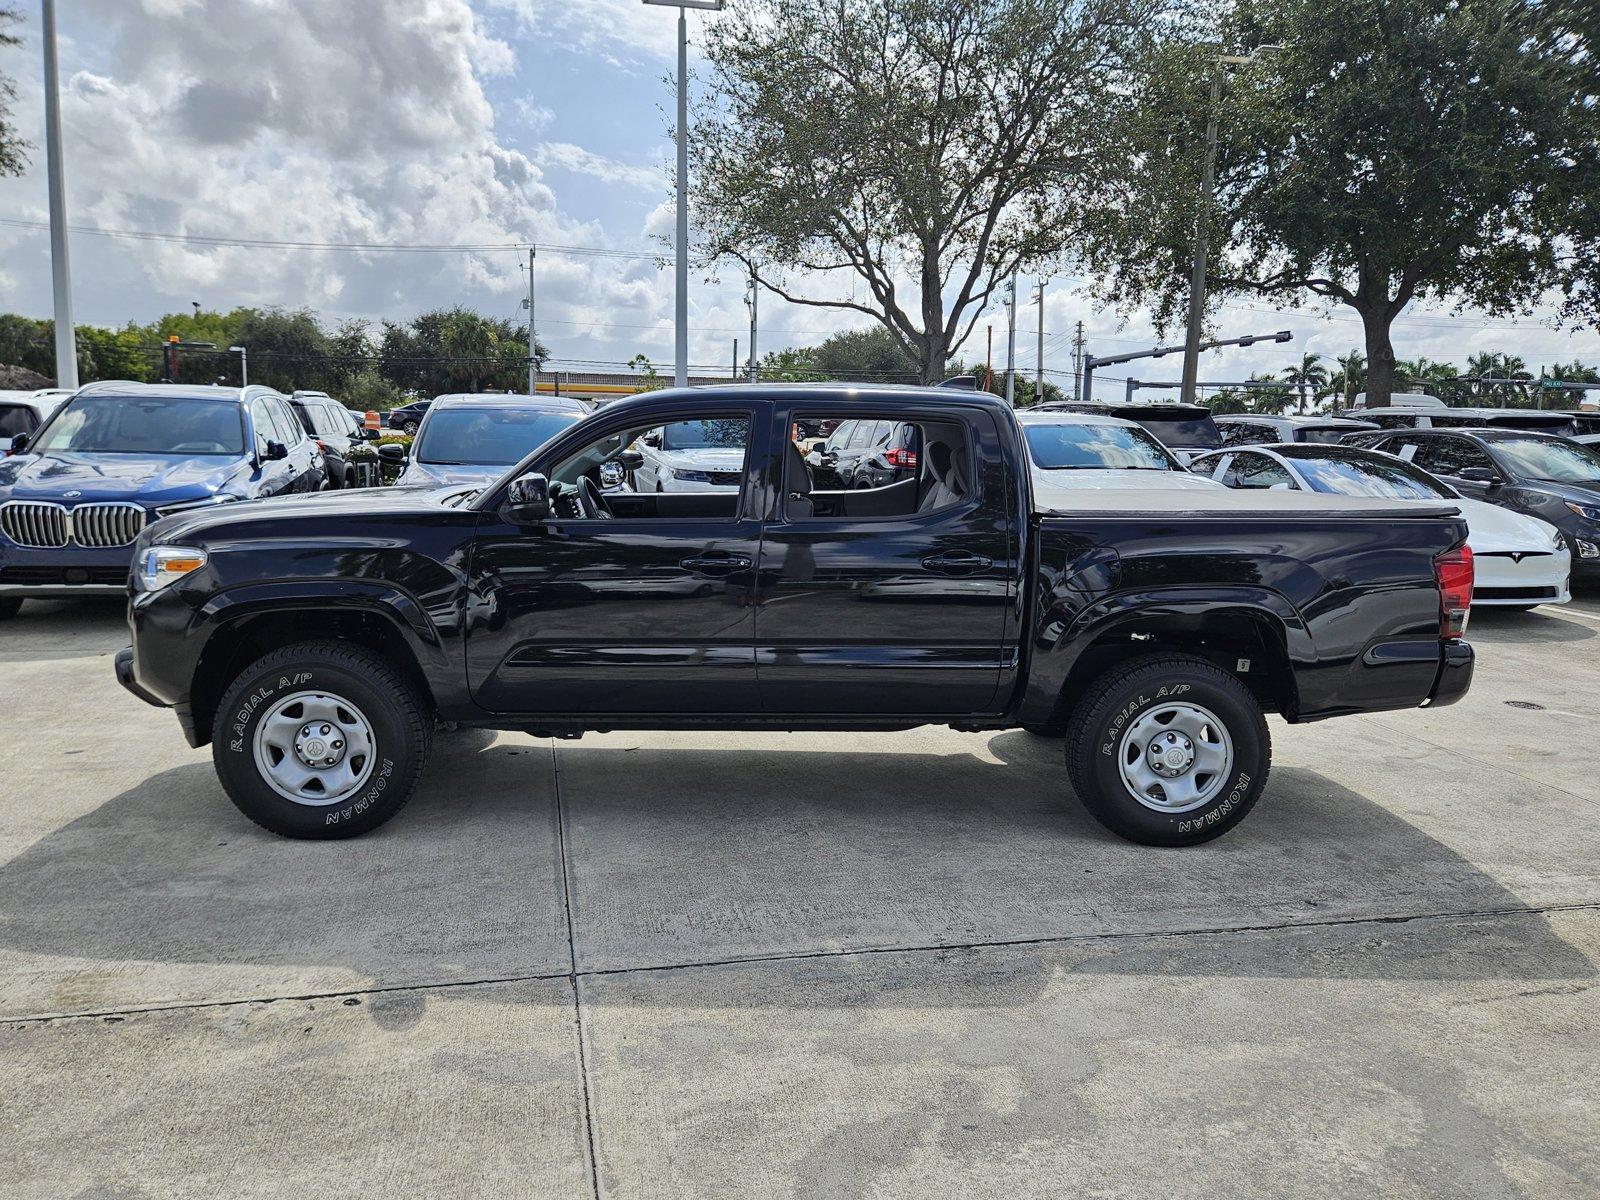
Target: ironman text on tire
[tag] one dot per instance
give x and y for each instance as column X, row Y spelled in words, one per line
column 321, row 740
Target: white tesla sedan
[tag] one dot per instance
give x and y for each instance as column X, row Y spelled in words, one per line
column 1074, row 451
column 1520, row 561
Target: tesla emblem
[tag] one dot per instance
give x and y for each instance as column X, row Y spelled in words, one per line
column 72, row 495
column 1516, row 556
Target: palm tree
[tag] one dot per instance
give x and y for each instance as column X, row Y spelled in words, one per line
column 1349, row 379
column 1308, row 376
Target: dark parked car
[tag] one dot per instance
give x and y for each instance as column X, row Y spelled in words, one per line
column 1243, row 430
column 1185, row 429
column 866, row 454
column 1553, row 478
column 1441, row 416
column 407, row 419
column 118, row 456
column 335, row 429
column 314, row 645
column 471, row 439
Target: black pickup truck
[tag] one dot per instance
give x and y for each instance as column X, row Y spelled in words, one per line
column 317, row 642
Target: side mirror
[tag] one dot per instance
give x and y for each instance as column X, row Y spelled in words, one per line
column 527, row 499
column 393, row 452
column 652, row 439
column 18, row 444
column 276, row 452
column 1478, row 475
column 630, row 460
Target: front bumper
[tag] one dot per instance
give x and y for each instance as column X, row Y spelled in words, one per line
column 64, row 571
column 1455, row 675
column 124, row 666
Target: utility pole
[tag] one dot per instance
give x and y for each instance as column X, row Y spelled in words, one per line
column 735, row 374
column 1038, row 382
column 60, row 269
column 988, row 358
column 1011, row 342
column 1077, row 362
column 533, row 338
column 750, row 302
column 1202, row 227
column 1202, row 220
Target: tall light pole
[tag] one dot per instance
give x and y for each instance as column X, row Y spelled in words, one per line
column 750, row 301
column 1038, row 371
column 1011, row 342
column 680, row 369
column 533, row 338
column 60, row 269
column 1202, row 220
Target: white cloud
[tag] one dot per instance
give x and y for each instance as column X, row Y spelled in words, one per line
column 585, row 162
column 622, row 32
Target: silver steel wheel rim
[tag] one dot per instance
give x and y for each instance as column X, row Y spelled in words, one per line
column 1176, row 757
column 314, row 748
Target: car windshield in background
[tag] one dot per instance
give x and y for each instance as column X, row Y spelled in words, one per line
column 1091, row 447
column 1360, row 476
column 15, row 419
column 704, row 435
column 101, row 424
column 1324, row 435
column 487, row 437
column 1176, row 431
column 1552, row 461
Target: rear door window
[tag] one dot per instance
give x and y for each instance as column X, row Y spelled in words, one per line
column 15, row 419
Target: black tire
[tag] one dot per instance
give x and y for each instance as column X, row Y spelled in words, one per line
column 1095, row 736
column 10, row 606
column 402, row 730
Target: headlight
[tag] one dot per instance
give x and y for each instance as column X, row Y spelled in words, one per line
column 692, row 476
column 191, row 505
column 162, row 565
column 1587, row 511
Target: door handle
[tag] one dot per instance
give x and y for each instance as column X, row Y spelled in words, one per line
column 957, row 562
column 716, row 563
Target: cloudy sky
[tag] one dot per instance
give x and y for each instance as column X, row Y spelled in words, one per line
column 428, row 122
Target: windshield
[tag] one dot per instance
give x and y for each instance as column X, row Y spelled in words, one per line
column 1358, row 475
column 1089, row 447
column 1188, row 432
column 15, row 419
column 711, row 434
column 1548, row 459
column 1324, row 435
column 487, row 437
column 101, row 424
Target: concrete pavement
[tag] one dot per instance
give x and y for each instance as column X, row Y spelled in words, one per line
column 753, row 965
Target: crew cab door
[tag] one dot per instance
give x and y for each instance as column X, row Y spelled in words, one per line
column 646, row 612
column 889, row 600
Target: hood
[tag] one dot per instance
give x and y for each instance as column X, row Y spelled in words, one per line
column 334, row 509
column 710, row 458
column 1089, row 479
column 1578, row 493
column 1492, row 528
column 148, row 479
column 429, row 475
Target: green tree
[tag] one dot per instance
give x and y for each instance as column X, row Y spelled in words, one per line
column 1309, row 376
column 940, row 142
column 1390, row 151
column 13, row 150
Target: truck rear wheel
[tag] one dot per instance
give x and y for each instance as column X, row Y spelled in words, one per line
column 320, row 740
column 1168, row 751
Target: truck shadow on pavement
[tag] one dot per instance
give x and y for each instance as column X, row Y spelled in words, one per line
column 1527, row 628
column 694, row 856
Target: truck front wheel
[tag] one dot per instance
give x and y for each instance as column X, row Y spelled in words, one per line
column 1168, row 751
column 320, row 740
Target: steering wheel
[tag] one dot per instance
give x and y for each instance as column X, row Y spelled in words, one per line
column 591, row 501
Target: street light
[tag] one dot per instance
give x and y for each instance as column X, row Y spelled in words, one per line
column 244, row 364
column 680, row 369
column 1208, row 174
column 60, row 270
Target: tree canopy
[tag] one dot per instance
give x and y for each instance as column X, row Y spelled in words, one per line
column 1381, row 152
column 926, row 148
column 13, row 148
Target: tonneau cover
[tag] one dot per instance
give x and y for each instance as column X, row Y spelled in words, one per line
column 1226, row 502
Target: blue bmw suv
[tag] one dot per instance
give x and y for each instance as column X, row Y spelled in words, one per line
column 118, row 456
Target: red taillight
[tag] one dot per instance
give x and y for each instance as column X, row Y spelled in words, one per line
column 1452, row 570
column 906, row 459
